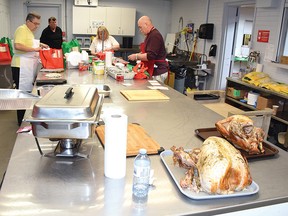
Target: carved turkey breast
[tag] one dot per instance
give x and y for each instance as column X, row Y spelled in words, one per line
column 221, row 167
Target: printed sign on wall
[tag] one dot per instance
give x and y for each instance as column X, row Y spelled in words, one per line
column 263, row 36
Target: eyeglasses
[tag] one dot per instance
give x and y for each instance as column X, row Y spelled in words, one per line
column 35, row 23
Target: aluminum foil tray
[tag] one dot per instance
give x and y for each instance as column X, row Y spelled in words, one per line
column 14, row 99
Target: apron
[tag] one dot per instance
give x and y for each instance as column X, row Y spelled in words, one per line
column 28, row 68
column 150, row 63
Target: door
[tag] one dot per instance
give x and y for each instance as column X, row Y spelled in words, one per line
column 231, row 39
column 46, row 11
column 229, row 45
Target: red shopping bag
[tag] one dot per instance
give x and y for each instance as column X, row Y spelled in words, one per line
column 52, row 58
column 4, row 53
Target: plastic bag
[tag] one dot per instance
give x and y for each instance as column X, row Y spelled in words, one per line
column 52, row 58
column 8, row 41
column 70, row 46
column 4, row 53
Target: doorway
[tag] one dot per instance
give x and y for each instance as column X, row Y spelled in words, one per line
column 46, row 11
column 236, row 42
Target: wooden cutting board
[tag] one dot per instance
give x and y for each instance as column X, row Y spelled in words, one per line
column 144, row 95
column 137, row 138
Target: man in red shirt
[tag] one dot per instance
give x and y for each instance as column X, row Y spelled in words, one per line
column 153, row 52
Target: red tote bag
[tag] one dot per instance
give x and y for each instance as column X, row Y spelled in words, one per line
column 4, row 53
column 51, row 58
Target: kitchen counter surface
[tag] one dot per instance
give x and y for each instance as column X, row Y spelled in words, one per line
column 37, row 185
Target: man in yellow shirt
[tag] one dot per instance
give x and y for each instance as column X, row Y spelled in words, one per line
column 26, row 54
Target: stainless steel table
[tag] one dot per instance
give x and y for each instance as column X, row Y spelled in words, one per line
column 36, row 185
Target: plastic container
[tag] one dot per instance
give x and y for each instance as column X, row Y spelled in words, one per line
column 141, row 174
column 98, row 67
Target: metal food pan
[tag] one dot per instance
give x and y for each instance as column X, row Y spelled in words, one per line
column 104, row 89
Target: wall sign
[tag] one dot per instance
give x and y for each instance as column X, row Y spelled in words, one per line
column 263, row 36
column 96, row 23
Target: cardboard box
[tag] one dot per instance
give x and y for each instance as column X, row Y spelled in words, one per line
column 284, row 59
column 235, row 93
column 263, row 103
column 171, row 80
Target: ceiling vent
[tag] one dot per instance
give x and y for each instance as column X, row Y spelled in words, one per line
column 89, row 3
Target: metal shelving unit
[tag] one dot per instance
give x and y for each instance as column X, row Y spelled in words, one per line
column 281, row 116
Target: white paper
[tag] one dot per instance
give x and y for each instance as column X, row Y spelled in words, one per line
column 115, row 145
column 158, row 87
column 127, row 84
column 154, row 82
column 269, row 53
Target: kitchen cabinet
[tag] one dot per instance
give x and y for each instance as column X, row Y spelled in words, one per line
column 86, row 20
column 281, row 116
column 121, row 21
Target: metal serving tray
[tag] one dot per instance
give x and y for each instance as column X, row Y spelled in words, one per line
column 204, row 133
column 14, row 99
column 177, row 173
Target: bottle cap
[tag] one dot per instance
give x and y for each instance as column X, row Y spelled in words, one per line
column 142, row 151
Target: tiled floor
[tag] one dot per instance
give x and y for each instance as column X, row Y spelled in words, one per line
column 8, row 128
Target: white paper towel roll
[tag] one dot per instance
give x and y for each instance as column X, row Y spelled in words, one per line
column 115, row 145
column 259, row 67
column 108, row 59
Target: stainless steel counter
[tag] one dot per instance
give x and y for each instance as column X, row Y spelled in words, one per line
column 36, row 185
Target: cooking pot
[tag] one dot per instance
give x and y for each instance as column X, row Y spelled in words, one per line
column 67, row 112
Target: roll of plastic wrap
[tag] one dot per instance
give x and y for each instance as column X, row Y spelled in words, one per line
column 252, row 98
column 108, row 59
column 115, row 145
column 259, row 67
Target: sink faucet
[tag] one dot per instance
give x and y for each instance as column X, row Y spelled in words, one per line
column 202, row 58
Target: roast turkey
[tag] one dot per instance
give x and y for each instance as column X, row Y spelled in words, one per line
column 218, row 168
column 221, row 167
column 240, row 130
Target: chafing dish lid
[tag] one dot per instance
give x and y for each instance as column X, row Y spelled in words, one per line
column 79, row 103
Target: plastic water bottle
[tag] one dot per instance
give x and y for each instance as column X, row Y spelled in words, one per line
column 141, row 174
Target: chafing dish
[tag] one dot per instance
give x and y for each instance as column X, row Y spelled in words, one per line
column 68, row 114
